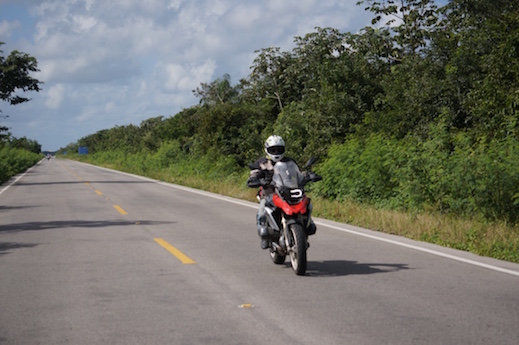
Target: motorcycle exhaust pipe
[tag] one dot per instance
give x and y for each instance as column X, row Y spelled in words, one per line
column 278, row 249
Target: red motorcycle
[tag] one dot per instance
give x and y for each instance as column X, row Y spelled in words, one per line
column 289, row 220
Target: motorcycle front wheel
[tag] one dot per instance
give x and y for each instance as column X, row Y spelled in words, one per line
column 297, row 248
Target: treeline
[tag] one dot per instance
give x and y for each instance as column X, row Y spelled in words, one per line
column 416, row 113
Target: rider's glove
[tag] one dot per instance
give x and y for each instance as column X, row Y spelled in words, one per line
column 265, row 181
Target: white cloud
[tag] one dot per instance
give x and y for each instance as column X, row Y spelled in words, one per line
column 83, row 24
column 55, row 96
column 246, row 17
column 6, row 27
column 121, row 62
column 176, row 77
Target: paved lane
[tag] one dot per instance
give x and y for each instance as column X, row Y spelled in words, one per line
column 92, row 256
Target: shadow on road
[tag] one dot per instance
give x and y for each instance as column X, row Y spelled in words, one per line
column 343, row 268
column 5, row 247
column 34, row 226
column 7, row 208
column 77, row 182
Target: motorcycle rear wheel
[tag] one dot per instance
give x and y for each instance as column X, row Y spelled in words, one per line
column 297, row 249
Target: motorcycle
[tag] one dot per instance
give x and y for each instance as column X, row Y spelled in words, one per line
column 288, row 215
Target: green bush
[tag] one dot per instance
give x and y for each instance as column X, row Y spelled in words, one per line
column 361, row 170
column 463, row 178
column 15, row 161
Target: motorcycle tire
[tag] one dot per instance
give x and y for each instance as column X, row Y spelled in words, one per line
column 297, row 249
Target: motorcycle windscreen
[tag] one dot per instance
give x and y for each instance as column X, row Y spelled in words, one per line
column 287, row 174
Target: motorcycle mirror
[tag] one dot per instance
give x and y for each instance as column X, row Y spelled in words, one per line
column 310, row 162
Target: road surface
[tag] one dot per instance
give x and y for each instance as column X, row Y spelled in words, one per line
column 93, row 256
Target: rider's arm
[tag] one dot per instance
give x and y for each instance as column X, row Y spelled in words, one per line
column 255, row 177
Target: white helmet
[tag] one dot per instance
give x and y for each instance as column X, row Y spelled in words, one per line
column 275, row 148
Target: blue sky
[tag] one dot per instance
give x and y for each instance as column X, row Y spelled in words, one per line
column 113, row 63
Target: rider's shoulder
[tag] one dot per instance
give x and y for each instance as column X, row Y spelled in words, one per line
column 262, row 164
column 287, row 159
column 256, row 164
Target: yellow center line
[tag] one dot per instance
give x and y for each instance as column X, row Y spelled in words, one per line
column 120, row 209
column 99, row 192
column 177, row 253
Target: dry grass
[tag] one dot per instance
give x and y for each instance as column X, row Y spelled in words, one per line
column 496, row 240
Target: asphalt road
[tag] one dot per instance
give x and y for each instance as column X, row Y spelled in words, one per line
column 93, row 256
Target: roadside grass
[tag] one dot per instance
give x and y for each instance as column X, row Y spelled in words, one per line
column 492, row 239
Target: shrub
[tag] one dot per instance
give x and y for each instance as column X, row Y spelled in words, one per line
column 463, row 178
column 15, row 161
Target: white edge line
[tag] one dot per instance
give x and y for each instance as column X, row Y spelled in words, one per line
column 401, row 244
column 425, row 250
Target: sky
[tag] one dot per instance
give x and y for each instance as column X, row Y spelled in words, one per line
column 107, row 63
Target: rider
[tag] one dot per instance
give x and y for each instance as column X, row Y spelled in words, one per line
column 261, row 176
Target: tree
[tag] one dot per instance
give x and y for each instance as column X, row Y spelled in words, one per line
column 416, row 20
column 219, row 91
column 484, row 64
column 271, row 79
column 26, row 144
column 3, row 131
column 14, row 76
column 150, row 132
